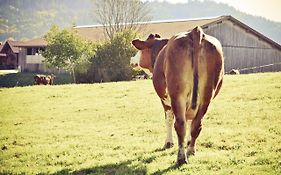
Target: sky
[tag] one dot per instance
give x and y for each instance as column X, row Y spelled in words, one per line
column 270, row 9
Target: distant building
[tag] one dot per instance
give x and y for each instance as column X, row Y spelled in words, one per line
column 24, row 55
column 9, row 55
column 244, row 48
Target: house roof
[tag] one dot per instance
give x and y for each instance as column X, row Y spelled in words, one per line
column 169, row 28
column 15, row 45
column 37, row 42
column 12, row 44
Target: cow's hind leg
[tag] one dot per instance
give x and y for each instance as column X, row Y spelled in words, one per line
column 196, row 128
column 169, row 120
column 190, row 114
column 188, row 130
column 179, row 107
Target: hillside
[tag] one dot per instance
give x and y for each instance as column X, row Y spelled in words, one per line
column 119, row 128
column 28, row 19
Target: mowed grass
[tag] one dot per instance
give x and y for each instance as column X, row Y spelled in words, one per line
column 118, row 128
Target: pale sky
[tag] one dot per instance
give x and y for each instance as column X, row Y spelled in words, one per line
column 270, row 9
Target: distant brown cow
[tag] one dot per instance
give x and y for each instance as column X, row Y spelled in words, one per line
column 187, row 74
column 44, row 79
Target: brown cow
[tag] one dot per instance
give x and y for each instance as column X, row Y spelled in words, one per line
column 187, row 74
column 44, row 79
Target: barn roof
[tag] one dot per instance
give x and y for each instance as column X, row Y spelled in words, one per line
column 169, row 28
column 166, row 28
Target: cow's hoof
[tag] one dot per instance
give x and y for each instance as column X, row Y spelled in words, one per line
column 181, row 157
column 168, row 145
column 190, row 152
column 180, row 162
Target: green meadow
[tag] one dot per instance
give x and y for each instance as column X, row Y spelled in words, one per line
column 119, row 128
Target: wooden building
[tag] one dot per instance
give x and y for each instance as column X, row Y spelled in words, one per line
column 9, row 55
column 31, row 59
column 244, row 48
column 24, row 56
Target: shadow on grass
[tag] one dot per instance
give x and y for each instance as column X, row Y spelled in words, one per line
column 118, row 168
column 137, row 166
column 172, row 167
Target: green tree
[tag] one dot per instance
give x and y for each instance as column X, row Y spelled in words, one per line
column 112, row 58
column 66, row 50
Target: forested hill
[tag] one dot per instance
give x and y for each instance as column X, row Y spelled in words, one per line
column 25, row 19
column 29, row 19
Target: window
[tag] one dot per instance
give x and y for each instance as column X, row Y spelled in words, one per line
column 29, row 51
column 34, row 50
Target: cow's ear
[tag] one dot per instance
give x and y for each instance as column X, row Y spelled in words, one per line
column 151, row 36
column 140, row 45
column 157, row 36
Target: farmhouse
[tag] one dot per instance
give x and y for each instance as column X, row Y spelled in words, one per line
column 24, row 55
column 244, row 48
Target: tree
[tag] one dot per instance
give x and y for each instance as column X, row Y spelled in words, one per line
column 111, row 61
column 120, row 15
column 66, row 49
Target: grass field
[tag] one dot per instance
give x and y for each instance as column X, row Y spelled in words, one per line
column 118, row 128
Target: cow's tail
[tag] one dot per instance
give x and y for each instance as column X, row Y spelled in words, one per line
column 197, row 34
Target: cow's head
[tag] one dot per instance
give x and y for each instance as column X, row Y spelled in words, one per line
column 50, row 79
column 148, row 51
